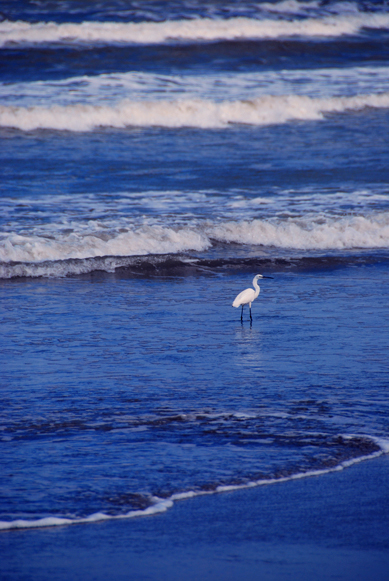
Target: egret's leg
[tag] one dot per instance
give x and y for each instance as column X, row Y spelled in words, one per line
column 241, row 314
column 250, row 315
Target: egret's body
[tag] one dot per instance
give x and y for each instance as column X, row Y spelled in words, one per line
column 247, row 296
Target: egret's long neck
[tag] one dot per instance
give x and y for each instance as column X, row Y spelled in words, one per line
column 255, row 285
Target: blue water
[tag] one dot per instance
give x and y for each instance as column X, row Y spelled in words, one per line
column 145, row 179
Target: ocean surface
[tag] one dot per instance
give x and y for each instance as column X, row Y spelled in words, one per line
column 154, row 157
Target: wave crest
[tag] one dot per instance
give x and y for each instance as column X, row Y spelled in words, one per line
column 200, row 29
column 305, row 234
column 201, row 113
column 35, row 255
column 142, row 241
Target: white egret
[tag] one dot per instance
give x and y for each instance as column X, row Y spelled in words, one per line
column 247, row 296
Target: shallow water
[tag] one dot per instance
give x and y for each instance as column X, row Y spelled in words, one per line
column 119, row 389
column 143, row 186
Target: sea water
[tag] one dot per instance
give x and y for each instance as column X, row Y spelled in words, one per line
column 154, row 158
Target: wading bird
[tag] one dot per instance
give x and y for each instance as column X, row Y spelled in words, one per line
column 247, row 296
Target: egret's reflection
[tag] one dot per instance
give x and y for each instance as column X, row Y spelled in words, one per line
column 246, row 332
column 248, row 342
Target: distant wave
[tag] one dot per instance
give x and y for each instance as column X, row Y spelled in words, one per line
column 377, row 448
column 265, row 110
column 37, row 255
column 109, row 89
column 137, row 242
column 196, row 30
column 308, row 234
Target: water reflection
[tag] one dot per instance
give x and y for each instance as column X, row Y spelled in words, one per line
column 248, row 343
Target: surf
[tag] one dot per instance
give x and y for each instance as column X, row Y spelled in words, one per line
column 201, row 113
column 185, row 30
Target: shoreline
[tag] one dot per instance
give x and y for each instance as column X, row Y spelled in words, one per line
column 164, row 504
column 317, row 527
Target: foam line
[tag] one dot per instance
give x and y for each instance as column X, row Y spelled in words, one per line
column 200, row 29
column 141, row 241
column 161, row 505
column 78, row 253
column 201, row 113
column 310, row 233
column 158, row 507
column 111, row 88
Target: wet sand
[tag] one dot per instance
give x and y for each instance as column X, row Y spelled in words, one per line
column 329, row 527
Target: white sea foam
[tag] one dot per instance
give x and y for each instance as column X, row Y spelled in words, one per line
column 315, row 233
column 383, row 444
column 265, row 110
column 288, row 6
column 158, row 506
column 142, row 241
column 109, row 89
column 200, row 29
column 161, row 505
column 309, row 234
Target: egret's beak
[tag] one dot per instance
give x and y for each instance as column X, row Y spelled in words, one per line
column 268, row 277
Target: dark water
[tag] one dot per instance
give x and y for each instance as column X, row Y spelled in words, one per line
column 144, row 184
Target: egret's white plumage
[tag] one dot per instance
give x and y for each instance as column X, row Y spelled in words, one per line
column 247, row 296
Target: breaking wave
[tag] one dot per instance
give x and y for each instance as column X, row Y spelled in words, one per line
column 201, row 113
column 196, row 30
column 77, row 253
